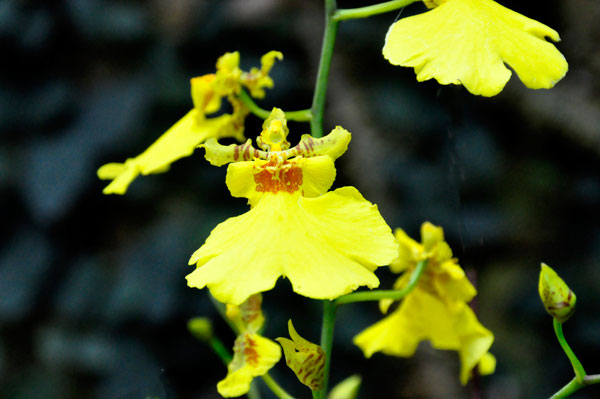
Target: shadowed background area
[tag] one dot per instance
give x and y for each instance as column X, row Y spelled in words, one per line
column 93, row 300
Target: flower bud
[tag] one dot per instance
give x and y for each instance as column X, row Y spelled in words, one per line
column 304, row 358
column 347, row 389
column 201, row 328
column 557, row 297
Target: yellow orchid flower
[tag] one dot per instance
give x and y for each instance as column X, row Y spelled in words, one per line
column 195, row 127
column 253, row 354
column 436, row 310
column 468, row 42
column 326, row 243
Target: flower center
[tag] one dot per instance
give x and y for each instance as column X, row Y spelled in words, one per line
column 277, row 175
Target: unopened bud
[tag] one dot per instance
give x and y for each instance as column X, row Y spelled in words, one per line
column 347, row 389
column 201, row 328
column 306, row 359
column 557, row 297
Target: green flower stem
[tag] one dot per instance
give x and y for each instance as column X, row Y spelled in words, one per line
column 575, row 385
column 577, row 367
column 318, row 104
column 221, row 350
column 275, row 387
column 364, row 12
column 221, row 309
column 253, row 393
column 385, row 294
column 581, row 379
column 298, row 116
column 329, row 308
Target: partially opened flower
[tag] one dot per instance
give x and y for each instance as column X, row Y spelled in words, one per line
column 326, row 243
column 196, row 126
column 436, row 310
column 469, row 42
column 307, row 360
column 253, row 354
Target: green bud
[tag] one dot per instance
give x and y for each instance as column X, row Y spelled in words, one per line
column 347, row 389
column 557, row 297
column 200, row 328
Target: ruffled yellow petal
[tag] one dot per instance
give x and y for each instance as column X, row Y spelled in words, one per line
column 253, row 356
column 468, row 41
column 475, row 341
column 326, row 246
column 423, row 316
column 179, row 141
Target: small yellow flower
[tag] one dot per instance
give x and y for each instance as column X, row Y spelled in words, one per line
column 557, row 297
column 195, row 127
column 253, row 354
column 307, row 360
column 436, row 310
column 468, row 42
column 326, row 243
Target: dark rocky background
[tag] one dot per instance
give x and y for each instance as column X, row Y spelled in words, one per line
column 93, row 301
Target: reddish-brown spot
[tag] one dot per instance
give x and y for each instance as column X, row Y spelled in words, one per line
column 250, row 353
column 274, row 178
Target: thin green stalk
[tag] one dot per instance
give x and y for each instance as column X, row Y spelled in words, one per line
column 364, row 12
column 329, row 309
column 318, row 104
column 221, row 309
column 220, row 349
column 385, row 294
column 253, row 393
column 577, row 367
column 575, row 385
column 581, row 379
column 298, row 116
column 275, row 387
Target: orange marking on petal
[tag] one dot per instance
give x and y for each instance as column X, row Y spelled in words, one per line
column 250, row 354
column 274, row 178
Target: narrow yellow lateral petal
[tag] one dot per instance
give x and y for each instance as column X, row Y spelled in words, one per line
column 121, row 174
column 179, row 141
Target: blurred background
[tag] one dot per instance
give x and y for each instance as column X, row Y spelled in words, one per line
column 93, row 300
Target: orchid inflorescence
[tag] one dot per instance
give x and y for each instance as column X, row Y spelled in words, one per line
column 329, row 243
